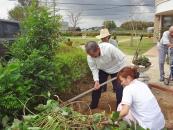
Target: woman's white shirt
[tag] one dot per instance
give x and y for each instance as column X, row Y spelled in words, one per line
column 143, row 105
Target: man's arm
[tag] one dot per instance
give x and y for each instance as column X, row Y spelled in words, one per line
column 95, row 72
column 165, row 39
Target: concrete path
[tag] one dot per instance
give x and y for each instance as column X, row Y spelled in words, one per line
column 153, row 72
column 153, row 52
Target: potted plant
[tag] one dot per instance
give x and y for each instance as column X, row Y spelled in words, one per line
column 142, row 63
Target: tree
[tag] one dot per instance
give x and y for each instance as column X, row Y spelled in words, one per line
column 139, row 25
column 17, row 13
column 78, row 29
column 74, row 19
column 27, row 2
column 109, row 24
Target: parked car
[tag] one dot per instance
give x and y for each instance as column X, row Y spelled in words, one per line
column 8, row 32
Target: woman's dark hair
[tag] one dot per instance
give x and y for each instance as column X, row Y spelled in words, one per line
column 129, row 71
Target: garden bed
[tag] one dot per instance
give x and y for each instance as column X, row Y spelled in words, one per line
column 164, row 96
column 108, row 99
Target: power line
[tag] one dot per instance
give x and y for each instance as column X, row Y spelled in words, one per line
column 93, row 9
column 102, row 14
column 106, row 4
column 91, row 4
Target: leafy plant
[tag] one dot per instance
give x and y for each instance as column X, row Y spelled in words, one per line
column 39, row 65
column 12, row 89
column 54, row 117
column 36, row 48
column 32, row 70
column 71, row 65
column 142, row 60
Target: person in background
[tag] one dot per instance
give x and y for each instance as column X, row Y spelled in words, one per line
column 69, row 42
column 104, row 59
column 115, row 38
column 105, row 37
column 165, row 43
column 139, row 101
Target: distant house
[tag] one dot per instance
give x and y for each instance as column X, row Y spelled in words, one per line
column 163, row 17
column 64, row 26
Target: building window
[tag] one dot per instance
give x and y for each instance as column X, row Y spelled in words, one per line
column 8, row 29
column 167, row 21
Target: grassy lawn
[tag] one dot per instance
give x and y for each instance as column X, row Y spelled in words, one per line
column 82, row 41
column 124, row 43
column 145, row 45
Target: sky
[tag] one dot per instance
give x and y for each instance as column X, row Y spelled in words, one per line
column 94, row 12
column 5, row 6
column 94, row 15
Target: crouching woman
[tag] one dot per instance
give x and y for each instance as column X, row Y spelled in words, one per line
column 138, row 102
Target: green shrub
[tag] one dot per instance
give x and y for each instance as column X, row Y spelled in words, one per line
column 72, row 33
column 129, row 33
column 12, row 89
column 38, row 64
column 34, row 52
column 41, row 71
column 77, row 33
column 36, row 48
column 71, row 65
column 116, row 33
column 92, row 34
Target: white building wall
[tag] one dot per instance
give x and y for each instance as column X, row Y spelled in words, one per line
column 164, row 7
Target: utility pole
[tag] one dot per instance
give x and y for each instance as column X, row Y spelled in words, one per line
column 50, row 4
column 54, row 7
column 46, row 3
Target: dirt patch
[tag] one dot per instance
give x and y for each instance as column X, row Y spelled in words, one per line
column 77, row 88
column 165, row 100
column 107, row 102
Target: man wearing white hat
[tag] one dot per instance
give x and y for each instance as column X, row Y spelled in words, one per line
column 105, row 36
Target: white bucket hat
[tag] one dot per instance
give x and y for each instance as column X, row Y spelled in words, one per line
column 103, row 33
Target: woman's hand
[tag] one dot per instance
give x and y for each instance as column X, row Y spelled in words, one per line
column 124, row 110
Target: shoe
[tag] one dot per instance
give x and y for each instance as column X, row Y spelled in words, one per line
column 161, row 79
column 92, row 106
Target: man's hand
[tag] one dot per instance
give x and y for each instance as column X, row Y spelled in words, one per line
column 97, row 85
column 170, row 45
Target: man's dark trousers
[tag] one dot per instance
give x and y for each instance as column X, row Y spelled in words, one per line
column 103, row 76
